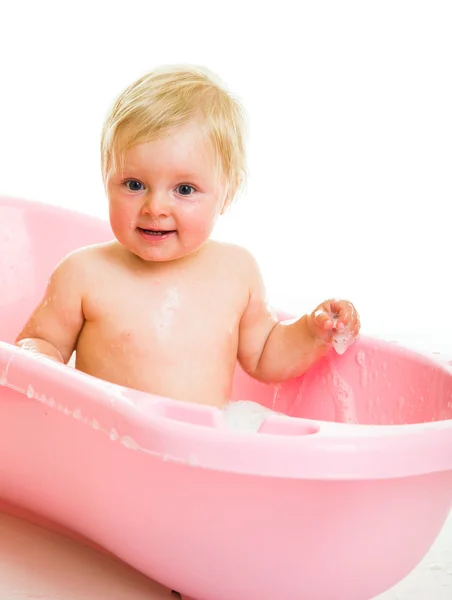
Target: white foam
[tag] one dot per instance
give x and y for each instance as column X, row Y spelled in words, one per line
column 342, row 339
column 245, row 416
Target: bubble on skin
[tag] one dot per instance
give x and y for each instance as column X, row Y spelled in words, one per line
column 170, row 304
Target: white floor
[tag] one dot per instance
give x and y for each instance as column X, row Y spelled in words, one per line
column 39, row 564
column 432, row 579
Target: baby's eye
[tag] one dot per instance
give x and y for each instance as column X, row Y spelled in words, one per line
column 134, row 185
column 185, row 189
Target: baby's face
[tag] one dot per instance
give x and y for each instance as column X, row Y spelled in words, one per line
column 165, row 203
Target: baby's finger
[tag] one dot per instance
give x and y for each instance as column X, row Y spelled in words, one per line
column 331, row 307
column 347, row 316
column 346, row 313
column 323, row 319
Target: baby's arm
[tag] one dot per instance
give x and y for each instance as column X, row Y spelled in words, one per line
column 53, row 327
column 269, row 350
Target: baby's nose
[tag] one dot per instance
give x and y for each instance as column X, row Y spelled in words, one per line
column 156, row 204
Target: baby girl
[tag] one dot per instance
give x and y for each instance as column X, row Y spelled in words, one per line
column 162, row 308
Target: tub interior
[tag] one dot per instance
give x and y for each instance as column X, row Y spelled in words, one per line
column 374, row 382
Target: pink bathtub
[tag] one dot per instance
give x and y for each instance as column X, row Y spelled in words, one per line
column 307, row 507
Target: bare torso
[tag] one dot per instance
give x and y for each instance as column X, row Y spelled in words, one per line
column 169, row 329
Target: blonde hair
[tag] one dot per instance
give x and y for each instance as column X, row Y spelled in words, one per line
column 168, row 97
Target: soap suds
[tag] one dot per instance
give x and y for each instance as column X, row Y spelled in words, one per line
column 342, row 339
column 245, row 416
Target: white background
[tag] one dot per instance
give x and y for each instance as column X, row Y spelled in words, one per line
column 350, row 134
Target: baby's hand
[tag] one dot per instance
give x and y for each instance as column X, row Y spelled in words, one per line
column 335, row 320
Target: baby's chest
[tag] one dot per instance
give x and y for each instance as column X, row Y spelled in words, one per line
column 171, row 319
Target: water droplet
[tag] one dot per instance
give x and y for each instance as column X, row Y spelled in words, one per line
column 361, row 358
column 277, row 389
column 192, row 460
column 129, row 443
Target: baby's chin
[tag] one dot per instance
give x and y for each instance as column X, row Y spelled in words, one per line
column 164, row 257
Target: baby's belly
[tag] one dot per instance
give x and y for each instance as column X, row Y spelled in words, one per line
column 200, row 377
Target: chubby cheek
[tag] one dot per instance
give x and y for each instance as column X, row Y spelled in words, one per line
column 122, row 218
column 197, row 222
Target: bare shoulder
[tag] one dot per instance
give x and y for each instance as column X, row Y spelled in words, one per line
column 90, row 258
column 237, row 257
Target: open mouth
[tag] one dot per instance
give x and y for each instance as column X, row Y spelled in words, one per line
column 156, row 232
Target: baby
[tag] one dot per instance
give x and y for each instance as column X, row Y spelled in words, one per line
column 162, row 308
